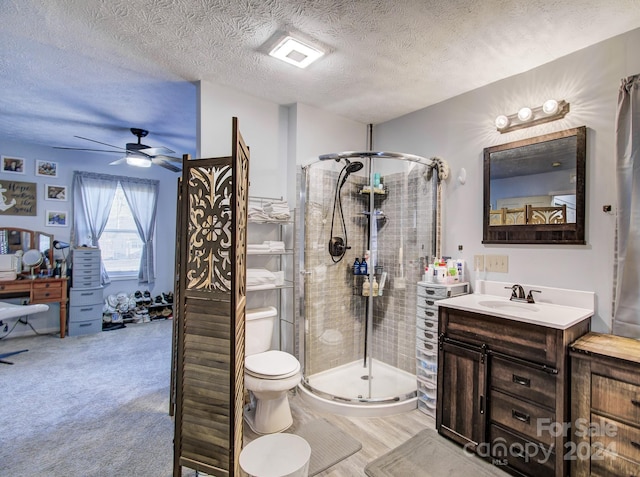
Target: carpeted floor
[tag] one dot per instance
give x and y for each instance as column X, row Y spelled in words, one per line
column 94, row 405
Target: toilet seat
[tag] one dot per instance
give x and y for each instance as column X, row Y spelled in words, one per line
column 272, row 364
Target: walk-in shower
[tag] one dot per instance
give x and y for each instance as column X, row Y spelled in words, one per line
column 357, row 348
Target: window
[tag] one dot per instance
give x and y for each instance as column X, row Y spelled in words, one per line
column 120, row 242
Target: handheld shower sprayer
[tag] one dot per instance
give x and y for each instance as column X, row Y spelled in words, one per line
column 337, row 245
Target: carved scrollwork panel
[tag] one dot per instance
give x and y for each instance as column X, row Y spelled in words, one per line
column 209, row 233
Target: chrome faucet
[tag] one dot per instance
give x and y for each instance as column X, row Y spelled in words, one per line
column 517, row 294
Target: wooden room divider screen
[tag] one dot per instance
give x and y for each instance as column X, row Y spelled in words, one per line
column 209, row 370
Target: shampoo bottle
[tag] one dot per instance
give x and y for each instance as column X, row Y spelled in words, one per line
column 356, row 267
column 363, row 267
column 365, row 286
column 374, row 287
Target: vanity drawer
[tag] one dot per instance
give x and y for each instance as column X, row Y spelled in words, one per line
column 427, row 302
column 617, row 437
column 7, row 288
column 47, row 291
column 616, row 398
column 521, row 380
column 508, row 448
column 522, row 340
column 521, row 416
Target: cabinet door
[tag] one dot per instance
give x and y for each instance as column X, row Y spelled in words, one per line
column 461, row 393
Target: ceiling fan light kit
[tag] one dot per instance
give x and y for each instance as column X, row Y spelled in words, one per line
column 138, row 154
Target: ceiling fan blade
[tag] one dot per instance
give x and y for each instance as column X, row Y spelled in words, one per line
column 167, row 165
column 169, row 158
column 84, row 149
column 103, row 143
column 156, row 151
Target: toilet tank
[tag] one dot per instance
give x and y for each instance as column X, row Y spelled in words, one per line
column 259, row 325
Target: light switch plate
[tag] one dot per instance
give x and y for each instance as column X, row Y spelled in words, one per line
column 497, row 263
column 478, row 263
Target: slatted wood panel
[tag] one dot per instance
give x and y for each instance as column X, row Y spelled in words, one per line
column 210, row 341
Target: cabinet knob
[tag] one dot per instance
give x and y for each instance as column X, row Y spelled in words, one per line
column 520, row 416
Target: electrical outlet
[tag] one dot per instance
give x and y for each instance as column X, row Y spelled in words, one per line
column 478, row 263
column 497, row 263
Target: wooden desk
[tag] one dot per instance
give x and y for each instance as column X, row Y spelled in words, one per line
column 39, row 290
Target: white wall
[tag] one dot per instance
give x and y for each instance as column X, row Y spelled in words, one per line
column 262, row 125
column 69, row 161
column 460, row 128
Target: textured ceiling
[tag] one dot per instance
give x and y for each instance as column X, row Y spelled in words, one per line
column 95, row 68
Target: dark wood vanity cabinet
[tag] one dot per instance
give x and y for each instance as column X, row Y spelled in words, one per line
column 605, row 406
column 503, row 389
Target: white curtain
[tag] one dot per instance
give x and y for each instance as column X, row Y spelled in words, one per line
column 142, row 198
column 92, row 199
column 626, row 306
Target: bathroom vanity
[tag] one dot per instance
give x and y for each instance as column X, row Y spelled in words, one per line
column 605, row 388
column 504, row 381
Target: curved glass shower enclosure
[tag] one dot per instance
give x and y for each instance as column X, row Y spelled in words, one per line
column 358, row 347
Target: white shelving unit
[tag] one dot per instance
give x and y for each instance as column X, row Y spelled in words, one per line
column 282, row 297
column 427, row 339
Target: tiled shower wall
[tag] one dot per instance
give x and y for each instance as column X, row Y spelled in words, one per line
column 336, row 311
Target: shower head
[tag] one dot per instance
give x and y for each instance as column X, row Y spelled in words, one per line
column 353, row 166
column 350, row 168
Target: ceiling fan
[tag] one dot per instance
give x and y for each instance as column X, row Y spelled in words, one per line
column 138, row 154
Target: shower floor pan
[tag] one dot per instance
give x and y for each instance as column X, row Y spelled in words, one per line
column 345, row 390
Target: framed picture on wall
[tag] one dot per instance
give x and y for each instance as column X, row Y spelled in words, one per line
column 46, row 168
column 12, row 165
column 56, row 218
column 55, row 192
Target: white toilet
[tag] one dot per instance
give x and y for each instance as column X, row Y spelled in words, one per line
column 268, row 374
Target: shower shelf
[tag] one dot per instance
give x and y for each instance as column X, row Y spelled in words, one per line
column 378, row 192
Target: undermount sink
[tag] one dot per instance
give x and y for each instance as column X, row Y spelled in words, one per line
column 509, row 306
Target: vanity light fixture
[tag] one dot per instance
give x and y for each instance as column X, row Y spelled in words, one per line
column 295, row 52
column 526, row 117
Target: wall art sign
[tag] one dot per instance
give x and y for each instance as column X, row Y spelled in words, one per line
column 12, row 165
column 46, row 168
column 18, row 198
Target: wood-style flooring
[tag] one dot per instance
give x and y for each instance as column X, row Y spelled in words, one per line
column 378, row 435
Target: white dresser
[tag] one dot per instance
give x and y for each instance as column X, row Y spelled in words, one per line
column 85, row 296
column 428, row 295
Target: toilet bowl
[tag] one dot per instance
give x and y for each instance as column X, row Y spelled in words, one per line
column 269, row 375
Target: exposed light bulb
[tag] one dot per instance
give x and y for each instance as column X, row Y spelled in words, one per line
column 525, row 114
column 502, row 121
column 550, row 106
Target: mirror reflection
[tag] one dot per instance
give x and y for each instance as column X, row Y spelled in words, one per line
column 534, row 189
column 534, row 184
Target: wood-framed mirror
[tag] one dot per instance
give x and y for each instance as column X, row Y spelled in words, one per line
column 25, row 239
column 534, row 190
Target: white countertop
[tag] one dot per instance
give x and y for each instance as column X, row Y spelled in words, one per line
column 544, row 314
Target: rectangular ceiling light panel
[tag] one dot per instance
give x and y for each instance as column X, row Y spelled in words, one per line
column 295, row 52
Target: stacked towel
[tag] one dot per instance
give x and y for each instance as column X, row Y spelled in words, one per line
column 266, row 246
column 260, row 279
column 278, row 209
column 257, row 214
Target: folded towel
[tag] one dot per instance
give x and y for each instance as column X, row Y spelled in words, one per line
column 260, row 276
